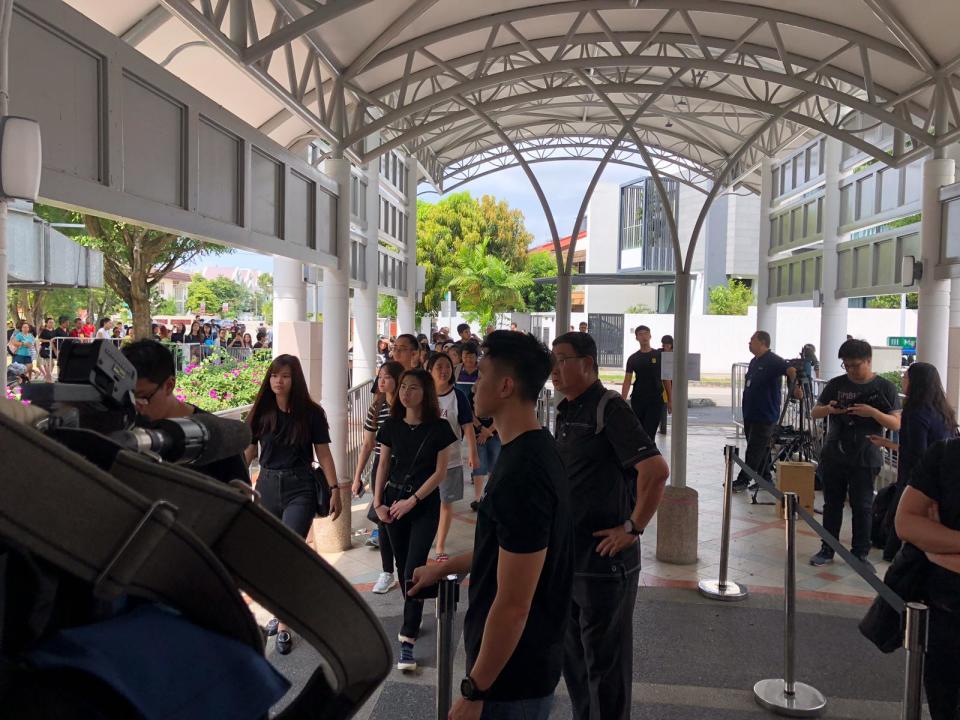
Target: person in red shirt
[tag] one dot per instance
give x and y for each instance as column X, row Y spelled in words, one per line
column 77, row 329
column 88, row 329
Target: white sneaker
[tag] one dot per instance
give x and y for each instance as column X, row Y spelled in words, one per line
column 385, row 583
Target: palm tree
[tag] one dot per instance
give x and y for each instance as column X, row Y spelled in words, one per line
column 484, row 285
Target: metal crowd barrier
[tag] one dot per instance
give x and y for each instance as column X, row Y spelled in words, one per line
column 787, row 696
column 547, row 409
column 447, row 597
column 359, row 399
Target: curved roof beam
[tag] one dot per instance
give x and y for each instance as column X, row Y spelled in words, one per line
column 568, row 158
column 828, row 126
column 568, row 143
column 517, row 75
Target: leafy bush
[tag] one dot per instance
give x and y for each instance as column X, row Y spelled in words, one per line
column 219, row 382
column 894, row 376
column 731, row 299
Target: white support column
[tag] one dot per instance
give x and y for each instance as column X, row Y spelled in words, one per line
column 766, row 311
column 833, row 312
column 407, row 304
column 289, row 296
column 952, row 380
column 933, row 307
column 336, row 330
column 365, row 299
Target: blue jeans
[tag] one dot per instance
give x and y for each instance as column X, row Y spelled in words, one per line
column 535, row 709
column 488, row 454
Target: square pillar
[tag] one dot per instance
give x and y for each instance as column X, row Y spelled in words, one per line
column 766, row 311
column 365, row 298
column 289, row 298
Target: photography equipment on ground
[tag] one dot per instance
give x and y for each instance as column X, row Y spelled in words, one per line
column 98, row 542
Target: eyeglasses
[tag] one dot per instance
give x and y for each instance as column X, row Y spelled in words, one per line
column 561, row 361
column 852, row 365
column 146, row 400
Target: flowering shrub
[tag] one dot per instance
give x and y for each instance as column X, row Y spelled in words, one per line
column 14, row 394
column 220, row 382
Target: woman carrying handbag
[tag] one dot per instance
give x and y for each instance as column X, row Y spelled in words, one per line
column 415, row 445
column 288, row 428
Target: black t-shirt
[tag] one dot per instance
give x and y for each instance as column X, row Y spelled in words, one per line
column 45, row 347
column 603, row 479
column 647, row 384
column 231, row 468
column 407, row 467
column 846, row 442
column 525, row 508
column 936, row 477
column 276, row 453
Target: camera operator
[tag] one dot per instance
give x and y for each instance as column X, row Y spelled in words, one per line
column 761, row 404
column 859, row 403
column 156, row 380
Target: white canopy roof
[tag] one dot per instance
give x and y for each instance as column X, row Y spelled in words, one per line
column 697, row 88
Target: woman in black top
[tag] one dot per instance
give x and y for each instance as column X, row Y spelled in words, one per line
column 289, row 428
column 415, row 444
column 927, row 418
column 928, row 518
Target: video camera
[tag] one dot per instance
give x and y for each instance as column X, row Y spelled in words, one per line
column 118, row 562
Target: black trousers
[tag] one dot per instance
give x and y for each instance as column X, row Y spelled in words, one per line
column 598, row 649
column 663, row 419
column 383, row 539
column 411, row 537
column 757, row 456
column 841, row 482
column 290, row 495
column 941, row 677
column 649, row 415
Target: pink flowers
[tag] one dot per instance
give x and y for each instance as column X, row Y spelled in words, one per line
column 213, row 394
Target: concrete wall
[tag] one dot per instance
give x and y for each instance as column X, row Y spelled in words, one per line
column 743, row 235
column 722, row 339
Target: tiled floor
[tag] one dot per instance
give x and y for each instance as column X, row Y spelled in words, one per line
column 756, row 545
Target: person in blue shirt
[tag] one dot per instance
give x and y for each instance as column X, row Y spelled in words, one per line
column 26, row 343
column 761, row 404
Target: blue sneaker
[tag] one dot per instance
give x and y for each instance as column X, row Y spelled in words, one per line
column 374, row 539
column 406, row 663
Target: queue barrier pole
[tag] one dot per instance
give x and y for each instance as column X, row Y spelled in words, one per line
column 722, row 588
column 786, row 696
column 449, row 593
column 915, row 643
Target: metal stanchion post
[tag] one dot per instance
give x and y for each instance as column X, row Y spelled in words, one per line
column 915, row 642
column 723, row 589
column 786, row 696
column 446, row 613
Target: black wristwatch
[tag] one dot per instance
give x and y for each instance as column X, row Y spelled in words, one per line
column 629, row 527
column 470, row 691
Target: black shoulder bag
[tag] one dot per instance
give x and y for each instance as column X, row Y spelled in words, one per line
column 324, row 492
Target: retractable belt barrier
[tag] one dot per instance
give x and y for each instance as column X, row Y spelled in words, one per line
column 786, row 696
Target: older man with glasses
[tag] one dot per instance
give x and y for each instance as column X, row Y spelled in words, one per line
column 617, row 477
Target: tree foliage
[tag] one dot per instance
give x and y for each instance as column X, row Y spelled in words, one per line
column 540, row 298
column 892, row 302
column 135, row 259
column 484, row 284
column 35, row 305
column 731, row 299
column 460, row 222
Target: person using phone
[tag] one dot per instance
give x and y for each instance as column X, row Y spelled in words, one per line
column 859, row 404
column 415, row 445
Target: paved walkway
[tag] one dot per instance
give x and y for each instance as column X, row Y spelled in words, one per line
column 695, row 658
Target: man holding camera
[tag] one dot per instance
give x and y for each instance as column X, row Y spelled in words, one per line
column 859, row 404
column 155, row 399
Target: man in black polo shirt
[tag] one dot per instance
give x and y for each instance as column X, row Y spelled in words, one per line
column 521, row 566
column 646, row 399
column 617, row 477
column 761, row 405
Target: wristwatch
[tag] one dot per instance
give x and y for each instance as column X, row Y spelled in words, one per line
column 470, row 691
column 629, row 527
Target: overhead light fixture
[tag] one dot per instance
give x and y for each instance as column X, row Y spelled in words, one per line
column 681, row 101
column 669, row 124
column 20, row 158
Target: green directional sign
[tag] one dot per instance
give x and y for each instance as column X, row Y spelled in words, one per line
column 902, row 342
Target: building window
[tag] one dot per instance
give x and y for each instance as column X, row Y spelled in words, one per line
column 631, row 216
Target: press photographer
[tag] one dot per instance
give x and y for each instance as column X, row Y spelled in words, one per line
column 859, row 404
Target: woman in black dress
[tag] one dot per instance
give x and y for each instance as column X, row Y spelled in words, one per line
column 288, row 428
column 415, row 445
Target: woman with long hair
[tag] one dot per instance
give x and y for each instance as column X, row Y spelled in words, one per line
column 415, row 445
column 195, row 335
column 455, row 409
column 388, row 381
column 927, row 418
column 288, row 428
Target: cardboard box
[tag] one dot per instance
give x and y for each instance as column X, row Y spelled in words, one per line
column 797, row 477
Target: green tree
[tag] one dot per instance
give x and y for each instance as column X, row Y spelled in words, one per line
column 386, row 306
column 484, row 285
column 536, row 297
column 200, row 292
column 459, row 221
column 731, row 299
column 233, row 293
column 892, row 302
column 135, row 259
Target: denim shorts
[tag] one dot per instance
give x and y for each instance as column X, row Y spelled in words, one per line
column 488, row 454
column 451, row 487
